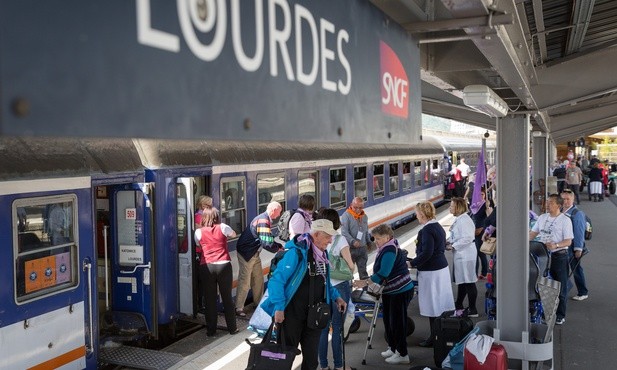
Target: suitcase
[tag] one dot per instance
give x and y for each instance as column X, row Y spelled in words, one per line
column 448, row 331
column 497, row 359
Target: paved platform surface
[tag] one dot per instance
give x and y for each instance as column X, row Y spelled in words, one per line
column 586, row 341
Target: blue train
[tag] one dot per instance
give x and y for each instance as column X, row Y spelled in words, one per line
column 97, row 233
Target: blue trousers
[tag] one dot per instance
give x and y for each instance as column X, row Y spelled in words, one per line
column 344, row 290
column 579, row 275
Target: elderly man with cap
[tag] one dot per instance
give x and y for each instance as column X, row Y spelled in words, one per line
column 302, row 279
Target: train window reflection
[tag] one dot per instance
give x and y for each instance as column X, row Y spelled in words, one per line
column 233, row 204
column 270, row 188
column 378, row 181
column 45, row 246
column 406, row 175
column 417, row 173
column 359, row 182
column 393, row 178
column 338, row 193
column 307, row 184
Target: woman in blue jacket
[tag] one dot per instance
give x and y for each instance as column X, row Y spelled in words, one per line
column 289, row 289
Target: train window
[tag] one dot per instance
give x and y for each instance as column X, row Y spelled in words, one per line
column 417, row 173
column 436, row 172
column 45, row 245
column 377, row 180
column 338, row 194
column 308, row 184
column 406, row 175
column 393, row 178
column 233, row 204
column 270, row 188
column 359, row 182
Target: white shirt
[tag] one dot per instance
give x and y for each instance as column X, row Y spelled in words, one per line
column 464, row 167
column 553, row 229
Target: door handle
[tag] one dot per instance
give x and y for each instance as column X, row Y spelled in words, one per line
column 135, row 268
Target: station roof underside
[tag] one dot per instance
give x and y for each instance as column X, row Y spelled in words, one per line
column 552, row 59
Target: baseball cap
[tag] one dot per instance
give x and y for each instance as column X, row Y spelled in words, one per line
column 323, row 225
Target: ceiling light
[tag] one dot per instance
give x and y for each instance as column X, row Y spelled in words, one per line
column 485, row 100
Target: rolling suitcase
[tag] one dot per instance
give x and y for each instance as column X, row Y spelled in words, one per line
column 448, row 331
column 497, row 359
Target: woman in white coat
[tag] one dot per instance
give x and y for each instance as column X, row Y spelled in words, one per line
column 461, row 242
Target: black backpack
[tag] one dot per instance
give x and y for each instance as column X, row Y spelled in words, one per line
column 283, row 225
column 279, row 256
column 588, row 226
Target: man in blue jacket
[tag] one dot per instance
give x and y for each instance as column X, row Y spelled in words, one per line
column 577, row 247
column 289, row 289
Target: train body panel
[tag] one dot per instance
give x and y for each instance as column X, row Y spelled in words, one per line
column 46, row 270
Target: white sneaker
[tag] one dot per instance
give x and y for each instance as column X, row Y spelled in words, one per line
column 398, row 359
column 580, row 297
column 386, row 354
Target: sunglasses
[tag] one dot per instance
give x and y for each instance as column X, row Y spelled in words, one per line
column 568, row 191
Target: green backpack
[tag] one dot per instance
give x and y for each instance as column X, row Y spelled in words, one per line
column 339, row 269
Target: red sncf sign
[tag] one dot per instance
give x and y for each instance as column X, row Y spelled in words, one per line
column 394, row 83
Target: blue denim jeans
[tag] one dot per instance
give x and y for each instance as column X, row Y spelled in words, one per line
column 344, row 290
column 559, row 272
column 579, row 275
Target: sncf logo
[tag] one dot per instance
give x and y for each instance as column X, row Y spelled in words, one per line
column 394, row 83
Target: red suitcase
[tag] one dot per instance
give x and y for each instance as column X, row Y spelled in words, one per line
column 497, row 359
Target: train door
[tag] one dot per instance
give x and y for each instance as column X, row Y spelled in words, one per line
column 186, row 252
column 133, row 294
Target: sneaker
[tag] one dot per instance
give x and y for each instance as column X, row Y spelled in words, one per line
column 560, row 321
column 458, row 313
column 398, row 359
column 473, row 313
column 386, row 354
column 580, row 297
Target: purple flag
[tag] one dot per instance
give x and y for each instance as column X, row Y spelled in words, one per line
column 476, row 197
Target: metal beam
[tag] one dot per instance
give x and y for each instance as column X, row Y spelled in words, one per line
column 402, row 11
column 459, row 23
column 580, row 20
column 538, row 16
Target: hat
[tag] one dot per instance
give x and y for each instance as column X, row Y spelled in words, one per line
column 323, row 225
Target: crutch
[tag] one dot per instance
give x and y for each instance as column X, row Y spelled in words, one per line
column 578, row 262
column 371, row 329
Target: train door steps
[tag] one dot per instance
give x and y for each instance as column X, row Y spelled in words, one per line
column 138, row 358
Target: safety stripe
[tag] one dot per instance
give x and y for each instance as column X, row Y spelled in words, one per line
column 61, row 360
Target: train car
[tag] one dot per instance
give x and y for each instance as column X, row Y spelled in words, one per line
column 102, row 230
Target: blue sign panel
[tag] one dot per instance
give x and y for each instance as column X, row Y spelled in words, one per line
column 319, row 70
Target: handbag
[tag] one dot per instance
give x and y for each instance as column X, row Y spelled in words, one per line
column 489, row 246
column 339, row 269
column 319, row 313
column 271, row 354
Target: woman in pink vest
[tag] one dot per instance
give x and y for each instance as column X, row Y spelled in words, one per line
column 215, row 268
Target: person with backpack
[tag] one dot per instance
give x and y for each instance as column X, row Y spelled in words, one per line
column 338, row 255
column 257, row 236
column 299, row 286
column 354, row 227
column 300, row 222
column 576, row 250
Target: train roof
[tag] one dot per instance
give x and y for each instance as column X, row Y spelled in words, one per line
column 26, row 157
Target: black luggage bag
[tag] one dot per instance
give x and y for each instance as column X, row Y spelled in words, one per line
column 448, row 331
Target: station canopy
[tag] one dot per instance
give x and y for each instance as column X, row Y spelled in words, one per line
column 552, row 59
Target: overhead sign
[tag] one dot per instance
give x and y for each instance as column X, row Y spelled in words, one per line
column 208, row 69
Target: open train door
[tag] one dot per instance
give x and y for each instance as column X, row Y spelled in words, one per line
column 186, row 250
column 133, row 294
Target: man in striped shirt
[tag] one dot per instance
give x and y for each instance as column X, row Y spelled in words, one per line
column 256, row 236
